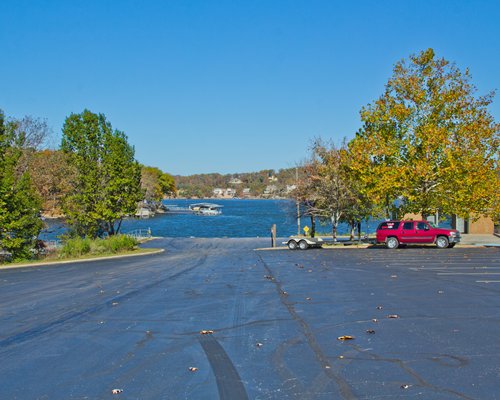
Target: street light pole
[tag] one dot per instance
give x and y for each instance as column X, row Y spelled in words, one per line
column 298, row 203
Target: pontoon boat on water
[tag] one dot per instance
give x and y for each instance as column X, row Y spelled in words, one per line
column 206, row 209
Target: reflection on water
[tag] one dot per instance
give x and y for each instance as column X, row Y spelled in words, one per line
column 239, row 218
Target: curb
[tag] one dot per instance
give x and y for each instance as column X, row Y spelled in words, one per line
column 48, row 263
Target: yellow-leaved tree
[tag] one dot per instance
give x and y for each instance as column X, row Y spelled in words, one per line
column 430, row 142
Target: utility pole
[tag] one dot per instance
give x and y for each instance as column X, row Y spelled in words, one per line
column 298, row 203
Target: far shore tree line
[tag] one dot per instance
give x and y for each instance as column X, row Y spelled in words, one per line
column 202, row 186
column 427, row 144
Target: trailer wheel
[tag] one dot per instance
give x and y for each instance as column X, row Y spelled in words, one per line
column 303, row 245
column 292, row 244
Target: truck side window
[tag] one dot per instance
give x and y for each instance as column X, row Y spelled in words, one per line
column 408, row 225
column 422, row 226
column 389, row 225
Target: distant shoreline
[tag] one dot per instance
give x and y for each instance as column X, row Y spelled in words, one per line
column 61, row 216
column 230, row 198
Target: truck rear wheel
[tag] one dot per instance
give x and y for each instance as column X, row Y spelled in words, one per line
column 292, row 245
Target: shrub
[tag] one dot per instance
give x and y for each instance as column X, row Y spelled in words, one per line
column 77, row 247
column 116, row 243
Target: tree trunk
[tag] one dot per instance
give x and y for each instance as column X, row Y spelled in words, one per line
column 119, row 226
column 111, row 228
column 335, row 222
column 313, row 226
column 387, row 208
column 351, row 236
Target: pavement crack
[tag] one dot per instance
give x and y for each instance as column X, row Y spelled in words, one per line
column 411, row 372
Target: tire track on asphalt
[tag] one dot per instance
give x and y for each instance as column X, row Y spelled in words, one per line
column 228, row 380
column 229, row 383
column 44, row 328
column 343, row 386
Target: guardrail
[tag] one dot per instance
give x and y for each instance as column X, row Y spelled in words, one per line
column 52, row 244
column 140, row 234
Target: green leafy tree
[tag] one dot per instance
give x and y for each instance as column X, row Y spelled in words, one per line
column 329, row 189
column 167, row 184
column 107, row 181
column 19, row 204
column 429, row 140
column 335, row 196
column 359, row 207
column 121, row 190
column 306, row 194
column 156, row 184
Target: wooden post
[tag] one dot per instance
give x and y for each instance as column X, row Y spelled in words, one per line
column 273, row 235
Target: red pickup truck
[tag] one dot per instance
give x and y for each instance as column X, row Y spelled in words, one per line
column 394, row 233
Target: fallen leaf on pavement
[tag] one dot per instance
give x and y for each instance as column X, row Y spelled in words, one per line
column 193, row 369
column 371, row 331
column 405, row 386
column 208, row 332
column 259, row 344
column 117, row 391
column 393, row 316
column 345, row 337
column 379, row 307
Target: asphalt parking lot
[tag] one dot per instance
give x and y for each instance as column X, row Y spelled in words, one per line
column 215, row 319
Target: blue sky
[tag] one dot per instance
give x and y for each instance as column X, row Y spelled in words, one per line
column 229, row 86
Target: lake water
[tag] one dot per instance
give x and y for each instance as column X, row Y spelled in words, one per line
column 239, row 218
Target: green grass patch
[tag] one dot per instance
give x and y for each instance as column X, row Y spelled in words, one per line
column 84, row 248
column 79, row 247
